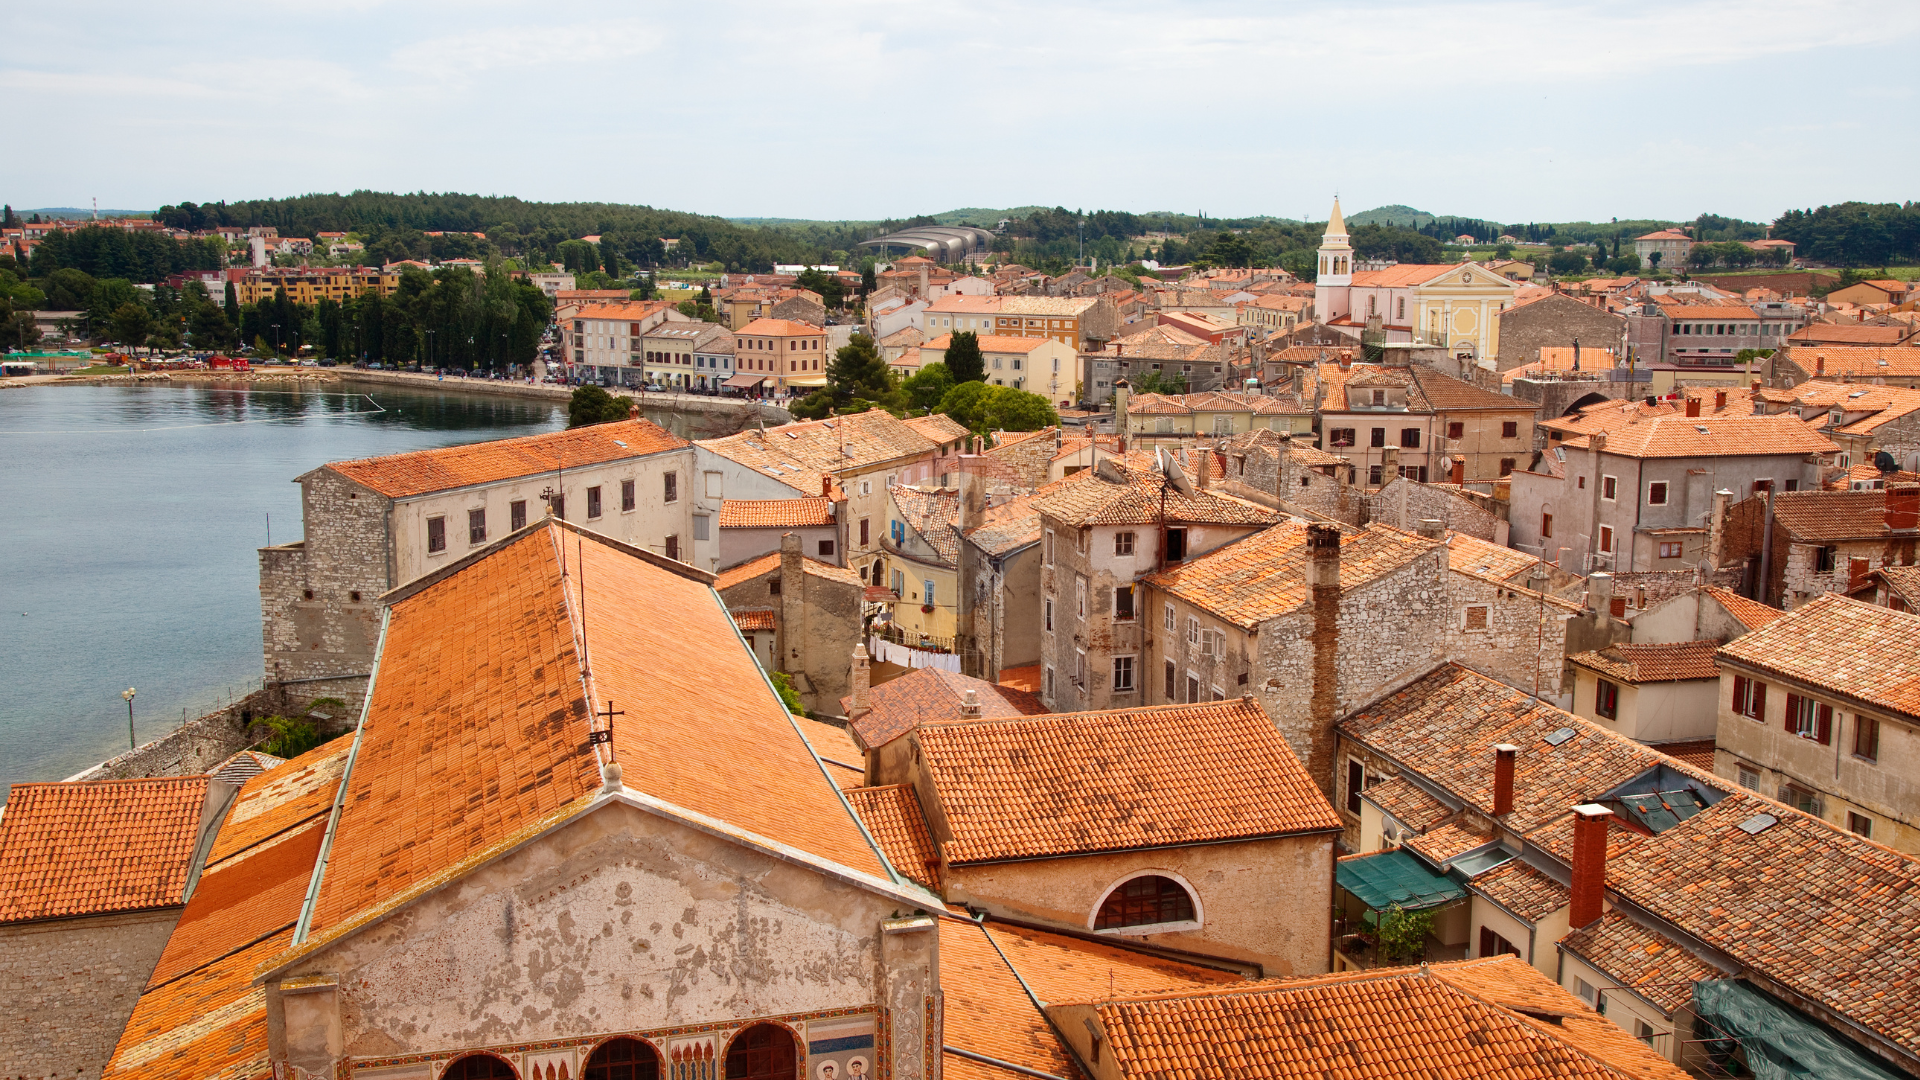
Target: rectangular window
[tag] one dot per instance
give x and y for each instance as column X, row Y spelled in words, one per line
column 1176, row 544
column 1166, row 618
column 865, row 539
column 1585, row 989
column 1046, row 613
column 898, row 530
column 1080, row 670
column 1379, row 437
column 477, row 526
column 700, row 526
column 1749, row 779
column 928, row 599
column 1456, row 430
column 1510, row 429
column 1859, row 824
column 1193, row 631
column 899, row 583
column 1356, row 782
column 673, row 548
column 1047, row 680
column 671, row 484
column 1606, row 699
column 1492, row 944
column 436, row 534
column 1506, row 467
column 1606, row 539
column 1170, row 687
column 626, row 495
column 1122, row 674
column 593, row 502
column 558, row 504
column 1749, row 698
column 1123, row 543
column 1080, row 596
column 1375, row 474
column 1476, row 617
column 1608, row 486
column 1671, row 549
column 1123, row 603
column 1866, row 737
column 1410, row 438
column 1342, row 436
column 1546, row 526
column 1825, row 559
column 1193, row 688
column 1657, row 493
column 826, row 549
column 1810, row 719
column 517, row 514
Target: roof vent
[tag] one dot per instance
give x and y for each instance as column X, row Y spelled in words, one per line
column 1701, row 430
column 1758, row 824
column 1558, row 737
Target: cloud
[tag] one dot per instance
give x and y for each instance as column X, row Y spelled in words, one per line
column 576, row 45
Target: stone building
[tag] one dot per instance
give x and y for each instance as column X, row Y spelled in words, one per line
column 1293, row 476
column 1436, row 427
column 1878, row 365
column 1557, row 320
column 750, row 528
column 1101, row 530
column 923, row 696
column 999, row 588
column 1815, row 708
column 378, row 523
column 93, row 878
column 799, row 615
column 1797, row 545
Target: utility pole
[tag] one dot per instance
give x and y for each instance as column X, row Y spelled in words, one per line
column 129, row 696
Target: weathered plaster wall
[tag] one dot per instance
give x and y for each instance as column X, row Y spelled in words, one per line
column 69, row 986
column 618, row 922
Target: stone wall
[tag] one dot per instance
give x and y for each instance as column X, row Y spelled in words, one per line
column 70, row 985
column 817, row 623
column 198, row 745
column 1428, row 502
column 1557, row 321
column 319, row 597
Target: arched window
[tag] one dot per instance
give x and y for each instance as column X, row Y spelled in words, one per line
column 479, row 1067
column 622, row 1059
column 1144, row 901
column 762, row 1052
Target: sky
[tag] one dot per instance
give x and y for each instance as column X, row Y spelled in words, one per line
column 1511, row 110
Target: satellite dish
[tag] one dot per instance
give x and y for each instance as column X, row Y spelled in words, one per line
column 1912, row 463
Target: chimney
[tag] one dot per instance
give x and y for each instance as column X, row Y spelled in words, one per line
column 1719, row 400
column 1503, row 755
column 1589, row 864
column 1819, row 365
column 1431, row 528
column 1903, row 508
column 1600, row 591
column 1389, row 465
column 1756, row 386
column 1202, row 467
column 861, row 681
column 970, row 705
column 1717, row 523
column 923, row 281
column 1323, row 575
column 1346, row 360
column 1693, row 406
column 1460, row 470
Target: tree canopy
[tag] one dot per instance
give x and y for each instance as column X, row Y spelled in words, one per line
column 592, row 405
column 964, row 362
column 981, row 408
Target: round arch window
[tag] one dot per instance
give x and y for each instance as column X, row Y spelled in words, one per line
column 622, row 1058
column 762, row 1052
column 1145, row 901
column 479, row 1067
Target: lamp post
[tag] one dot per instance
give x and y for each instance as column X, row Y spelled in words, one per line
column 128, row 694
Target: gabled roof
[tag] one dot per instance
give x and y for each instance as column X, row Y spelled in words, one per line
column 776, row 513
column 1138, row 497
column 422, row 471
column 1065, row 306
column 1637, row 664
column 98, row 846
column 798, row 454
column 1007, row 527
column 1646, row 961
column 1079, row 783
column 1407, row 803
column 933, row 515
column 1525, row 892
column 1719, row 436
column 892, row 815
column 1401, row 276
column 995, row 343
column 477, row 720
column 1833, row 515
column 1855, row 361
column 1751, row 614
column 1264, row 576
column 931, row 695
column 1427, row 391
column 778, row 328
column 753, row 568
column 1492, row 1017
column 1848, row 334
column 939, row 427
column 1867, row 653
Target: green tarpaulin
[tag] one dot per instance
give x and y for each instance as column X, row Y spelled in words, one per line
column 1781, row 1044
column 1395, row 877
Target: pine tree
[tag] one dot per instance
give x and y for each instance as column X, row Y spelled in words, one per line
column 7, row 220
column 964, row 359
column 232, row 300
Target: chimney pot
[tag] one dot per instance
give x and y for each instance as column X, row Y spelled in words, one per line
column 1503, row 758
column 1589, row 891
column 1693, row 406
column 970, row 706
column 1719, row 399
column 1819, row 365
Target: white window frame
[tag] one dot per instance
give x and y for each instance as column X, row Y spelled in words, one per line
column 1609, row 483
column 1133, row 674
column 1080, row 596
column 1199, row 910
column 1606, row 539
column 1666, row 490
column 1466, row 614
column 1167, row 621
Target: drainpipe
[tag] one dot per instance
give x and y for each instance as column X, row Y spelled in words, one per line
column 1766, row 552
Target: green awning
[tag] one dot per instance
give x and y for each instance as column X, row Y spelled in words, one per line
column 1395, row 877
column 1781, row 1044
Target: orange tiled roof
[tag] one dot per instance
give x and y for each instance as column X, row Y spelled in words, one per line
column 1695, row 752
column 753, row 568
column 892, row 815
column 993, row 343
column 1070, row 783
column 209, row 1023
column 1089, row 498
column 1843, row 646
column 1752, row 614
column 480, row 691
column 1400, row 276
column 1711, row 311
column 1493, row 1017
column 799, row 453
column 422, row 471
column 1814, row 334
column 1443, row 843
column 758, row 619
column 1003, row 528
column 938, row 427
column 934, row 515
column 1718, row 436
column 1638, row 664
column 1407, row 803
column 776, row 513
column 1264, row 576
column 98, row 846
column 282, row 798
column 778, row 328
column 1856, row 361
column 835, row 749
column 930, row 695
column 1833, row 515
column 1525, row 892
column 1648, row 963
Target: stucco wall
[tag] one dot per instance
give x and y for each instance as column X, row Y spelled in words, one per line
column 618, row 922
column 69, row 986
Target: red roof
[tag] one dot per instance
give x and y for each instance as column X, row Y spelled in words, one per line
column 97, row 847
column 422, row 471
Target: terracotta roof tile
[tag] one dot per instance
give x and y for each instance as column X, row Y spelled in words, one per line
column 776, row 513
column 476, row 726
column 1529, row 894
column 1089, row 498
column 1855, row 361
column 244, row 766
column 1264, row 576
column 892, row 816
column 1400, row 276
column 1718, row 436
column 281, row 798
column 836, row 750
column 938, row 427
column 1645, row 961
column 1695, row 752
column 255, row 893
column 1408, row 803
column 934, row 515
column 778, row 328
column 1444, row 843
column 1068, row 783
column 1007, row 527
column 210, row 1024
column 930, row 695
column 751, row 569
column 1833, row 515
column 422, row 471
column 97, row 846
column 798, row 454
column 1861, row 651
column 759, row 619
column 1465, row 1019
column 1751, row 613
column 1637, row 664
column 1815, row 334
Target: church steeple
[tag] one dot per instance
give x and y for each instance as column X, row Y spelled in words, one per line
column 1336, row 255
column 1337, row 225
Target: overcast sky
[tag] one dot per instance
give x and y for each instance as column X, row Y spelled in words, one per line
column 1513, row 111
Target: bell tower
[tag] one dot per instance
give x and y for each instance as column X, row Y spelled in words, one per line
column 1335, row 272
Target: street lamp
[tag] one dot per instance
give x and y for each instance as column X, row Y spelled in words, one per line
column 128, row 694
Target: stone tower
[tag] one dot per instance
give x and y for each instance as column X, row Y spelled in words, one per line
column 1335, row 274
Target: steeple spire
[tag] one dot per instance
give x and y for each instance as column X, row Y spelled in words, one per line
column 1336, row 224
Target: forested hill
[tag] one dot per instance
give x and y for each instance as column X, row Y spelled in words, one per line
column 513, row 226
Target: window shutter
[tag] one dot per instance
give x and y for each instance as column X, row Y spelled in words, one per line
column 1793, row 713
column 1759, row 700
column 1826, row 725
column 1739, row 694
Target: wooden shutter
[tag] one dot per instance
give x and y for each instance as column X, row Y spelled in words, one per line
column 1793, row 713
column 1824, row 724
column 1759, row 700
column 1739, row 694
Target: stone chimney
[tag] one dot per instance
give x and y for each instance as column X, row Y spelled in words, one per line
column 1903, row 508
column 1431, row 528
column 1589, row 891
column 923, row 281
column 970, row 705
column 1600, row 591
column 1202, row 467
column 1717, row 524
column 1389, row 465
column 859, row 701
column 1503, row 758
column 1122, row 393
column 1323, row 576
column 793, row 598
